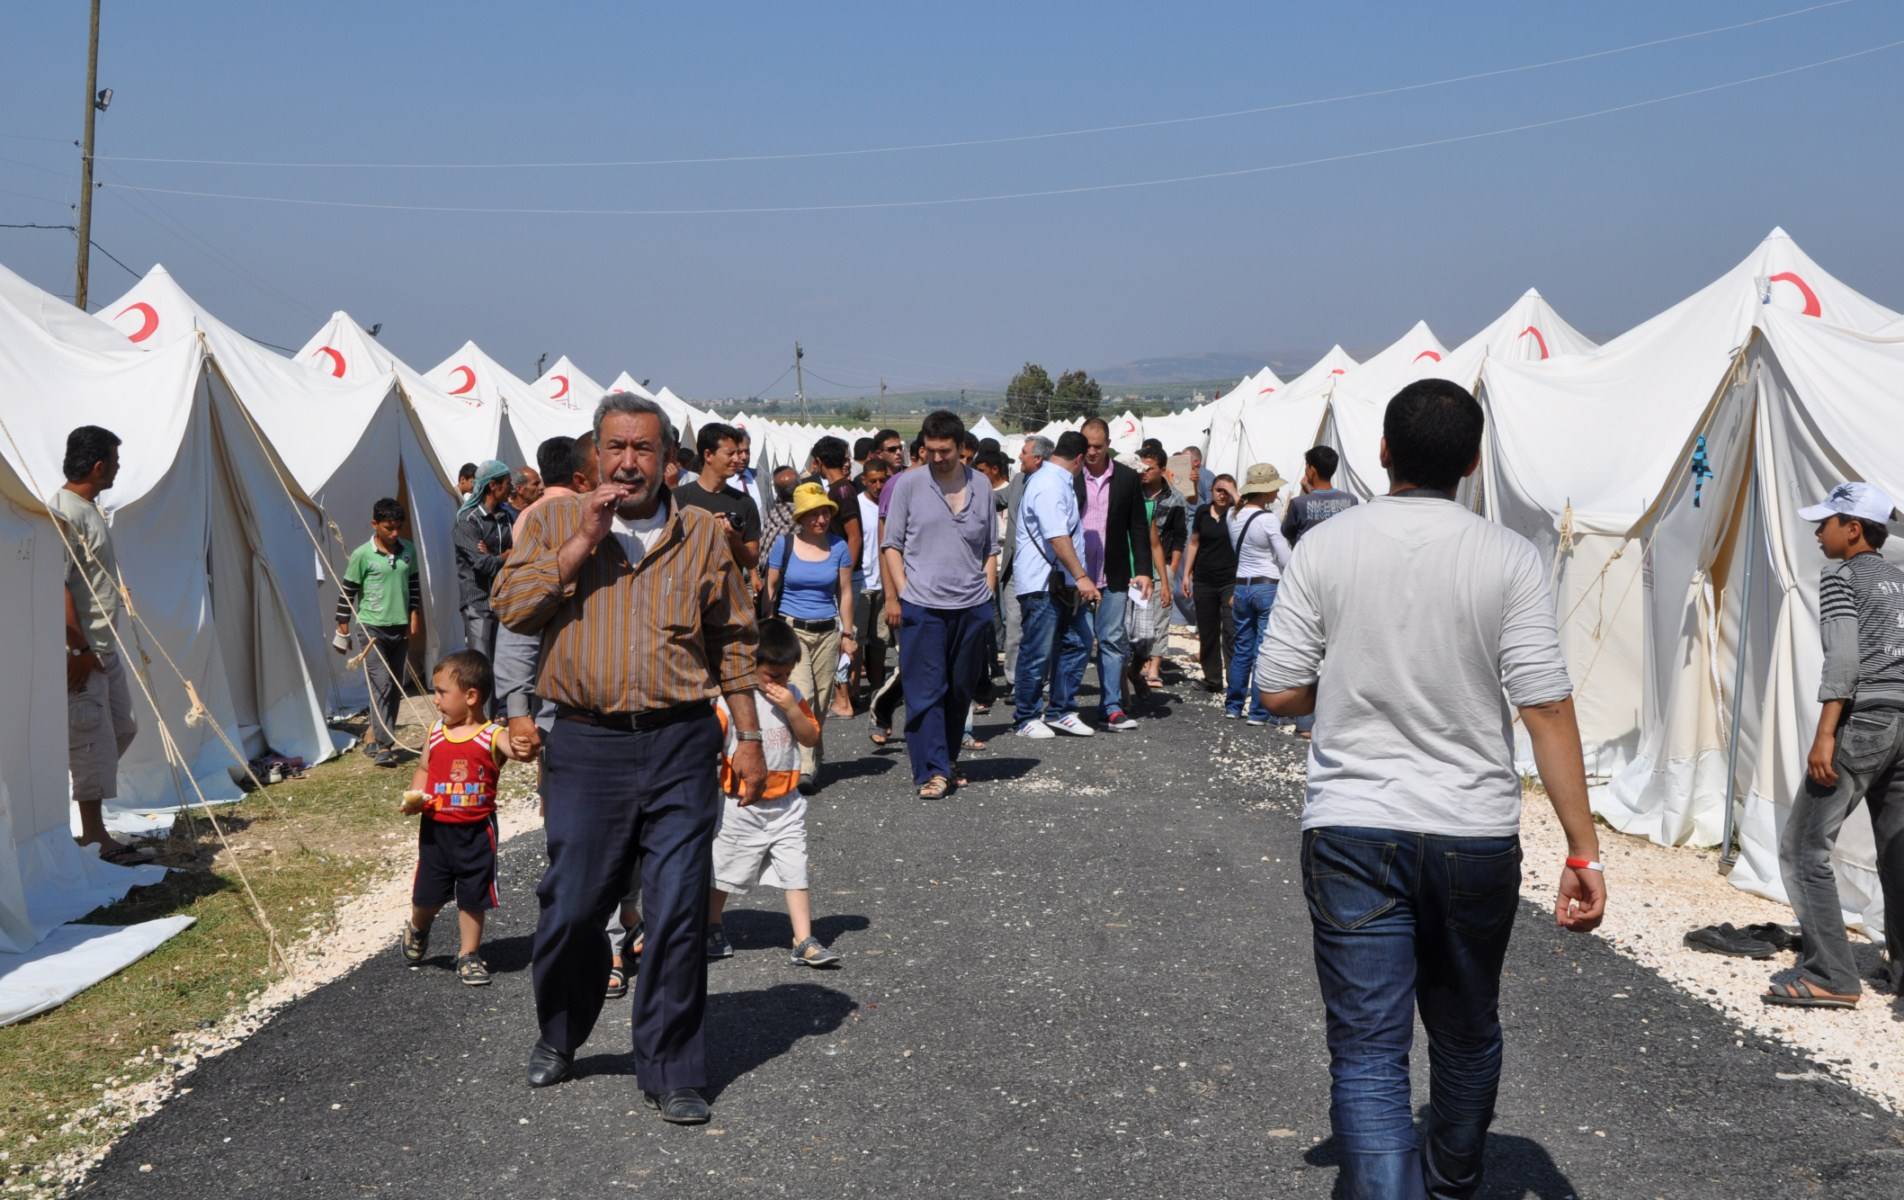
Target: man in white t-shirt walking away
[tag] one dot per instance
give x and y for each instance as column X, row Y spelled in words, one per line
column 1408, row 625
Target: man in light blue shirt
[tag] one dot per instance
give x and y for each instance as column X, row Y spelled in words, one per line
column 1054, row 597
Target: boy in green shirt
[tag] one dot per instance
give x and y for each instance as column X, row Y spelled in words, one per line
column 381, row 585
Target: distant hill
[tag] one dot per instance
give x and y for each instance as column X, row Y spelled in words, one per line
column 1177, row 368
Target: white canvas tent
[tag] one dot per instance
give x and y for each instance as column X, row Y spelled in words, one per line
column 460, row 428
column 625, row 382
column 1226, row 451
column 210, row 540
column 1564, row 464
column 1357, row 402
column 563, row 406
column 1281, row 423
column 983, row 428
column 470, row 374
column 347, row 443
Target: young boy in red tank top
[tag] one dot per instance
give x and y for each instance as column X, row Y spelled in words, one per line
column 454, row 789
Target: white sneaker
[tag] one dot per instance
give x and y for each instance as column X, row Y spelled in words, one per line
column 1119, row 720
column 1070, row 724
column 1258, row 721
column 1035, row 729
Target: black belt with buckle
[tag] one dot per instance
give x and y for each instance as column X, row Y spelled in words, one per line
column 805, row 626
column 1254, row 580
column 631, row 722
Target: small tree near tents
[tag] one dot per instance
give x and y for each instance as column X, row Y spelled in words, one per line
column 1076, row 397
column 1028, row 399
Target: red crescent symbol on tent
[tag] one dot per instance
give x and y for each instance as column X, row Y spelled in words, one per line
column 1812, row 307
column 1431, row 354
column 1537, row 338
column 1130, row 428
column 149, row 320
column 1338, row 371
column 1264, row 391
column 337, row 360
column 564, row 381
column 469, row 382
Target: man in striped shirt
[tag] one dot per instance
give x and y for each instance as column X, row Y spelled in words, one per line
column 380, row 590
column 645, row 620
column 1856, row 752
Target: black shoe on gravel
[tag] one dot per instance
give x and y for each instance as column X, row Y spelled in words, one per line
column 415, row 943
column 472, row 970
column 717, row 944
column 810, row 953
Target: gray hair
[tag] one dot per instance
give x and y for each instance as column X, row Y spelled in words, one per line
column 1040, row 447
column 628, row 402
column 520, row 476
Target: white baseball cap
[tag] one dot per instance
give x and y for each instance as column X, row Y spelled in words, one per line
column 1859, row 500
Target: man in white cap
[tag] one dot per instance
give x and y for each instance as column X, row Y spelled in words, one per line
column 1856, row 752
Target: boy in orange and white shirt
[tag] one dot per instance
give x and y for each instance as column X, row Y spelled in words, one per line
column 454, row 788
column 766, row 841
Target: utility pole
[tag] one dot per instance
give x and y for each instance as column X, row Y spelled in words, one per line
column 85, row 231
column 799, row 379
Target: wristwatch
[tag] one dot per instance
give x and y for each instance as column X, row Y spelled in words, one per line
column 747, row 735
column 72, row 653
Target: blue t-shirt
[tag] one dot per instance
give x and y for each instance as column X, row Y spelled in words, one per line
column 1048, row 509
column 810, row 590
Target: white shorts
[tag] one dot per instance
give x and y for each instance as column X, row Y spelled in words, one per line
column 762, row 843
column 99, row 727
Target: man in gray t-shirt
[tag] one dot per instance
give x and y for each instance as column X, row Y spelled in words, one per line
column 940, row 552
column 1320, row 498
column 1402, row 625
column 99, row 721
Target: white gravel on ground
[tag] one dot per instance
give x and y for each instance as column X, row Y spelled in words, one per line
column 364, row 925
column 1656, row 894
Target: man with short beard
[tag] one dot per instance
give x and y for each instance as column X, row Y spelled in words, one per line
column 1116, row 556
column 644, row 619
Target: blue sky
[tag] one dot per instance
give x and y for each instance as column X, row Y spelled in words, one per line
column 1612, row 218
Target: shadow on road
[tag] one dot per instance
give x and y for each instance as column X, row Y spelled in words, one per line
column 769, row 929
column 1516, row 1168
column 864, row 766
column 748, row 1029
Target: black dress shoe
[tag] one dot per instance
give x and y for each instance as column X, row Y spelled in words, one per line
column 547, row 1065
column 682, row 1106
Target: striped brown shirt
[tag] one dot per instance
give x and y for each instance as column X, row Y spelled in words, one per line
column 674, row 628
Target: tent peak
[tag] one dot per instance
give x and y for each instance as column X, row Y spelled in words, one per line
column 1531, row 294
column 1778, row 231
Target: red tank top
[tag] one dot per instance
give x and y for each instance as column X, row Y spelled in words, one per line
column 463, row 774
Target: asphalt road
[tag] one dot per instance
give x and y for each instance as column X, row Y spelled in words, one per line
column 1086, row 975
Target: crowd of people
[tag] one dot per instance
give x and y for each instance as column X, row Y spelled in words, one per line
column 668, row 644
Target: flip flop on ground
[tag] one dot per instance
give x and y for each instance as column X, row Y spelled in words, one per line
column 1802, row 993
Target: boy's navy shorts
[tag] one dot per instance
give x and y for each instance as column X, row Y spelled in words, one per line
column 456, row 859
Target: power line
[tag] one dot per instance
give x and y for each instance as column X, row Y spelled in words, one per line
column 1285, row 106
column 74, row 230
column 1082, row 189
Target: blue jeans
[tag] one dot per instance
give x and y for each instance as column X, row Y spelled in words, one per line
column 940, row 668
column 1407, row 921
column 1249, row 609
column 1053, row 644
column 1113, row 647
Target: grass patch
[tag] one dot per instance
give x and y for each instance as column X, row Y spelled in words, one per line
column 305, row 845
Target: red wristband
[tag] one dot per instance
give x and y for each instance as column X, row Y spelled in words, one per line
column 1585, row 864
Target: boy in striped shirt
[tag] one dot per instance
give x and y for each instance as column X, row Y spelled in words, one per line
column 1857, row 751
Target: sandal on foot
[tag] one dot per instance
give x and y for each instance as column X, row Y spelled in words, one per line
column 880, row 735
column 1803, row 993
column 617, row 981
column 968, row 742
column 472, row 970
column 934, row 788
column 810, row 953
